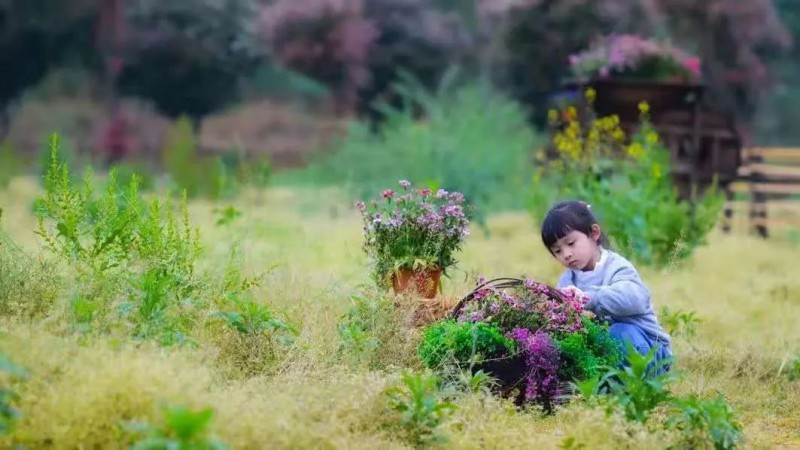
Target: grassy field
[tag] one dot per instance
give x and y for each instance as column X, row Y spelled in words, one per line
column 318, row 393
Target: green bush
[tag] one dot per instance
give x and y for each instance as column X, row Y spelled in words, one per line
column 469, row 139
column 120, row 247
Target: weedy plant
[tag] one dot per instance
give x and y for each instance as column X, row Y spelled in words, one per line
column 28, row 287
column 182, row 429
column 135, row 262
column 113, row 236
column 638, row 390
column 421, row 406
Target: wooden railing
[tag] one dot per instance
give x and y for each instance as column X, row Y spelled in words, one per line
column 769, row 179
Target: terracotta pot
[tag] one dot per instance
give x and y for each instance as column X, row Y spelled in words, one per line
column 423, row 282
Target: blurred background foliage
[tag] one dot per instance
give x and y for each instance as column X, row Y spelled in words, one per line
column 290, row 82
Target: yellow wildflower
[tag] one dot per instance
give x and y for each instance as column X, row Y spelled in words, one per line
column 552, row 115
column 651, row 137
column 591, row 94
column 656, row 171
column 644, row 108
column 635, row 150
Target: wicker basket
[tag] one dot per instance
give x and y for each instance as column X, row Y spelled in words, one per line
column 510, row 371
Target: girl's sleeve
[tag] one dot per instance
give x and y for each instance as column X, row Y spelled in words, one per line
column 625, row 295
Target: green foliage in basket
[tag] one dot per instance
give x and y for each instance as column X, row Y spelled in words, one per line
column 586, row 355
column 463, row 341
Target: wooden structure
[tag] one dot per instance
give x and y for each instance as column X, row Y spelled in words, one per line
column 705, row 145
column 770, row 177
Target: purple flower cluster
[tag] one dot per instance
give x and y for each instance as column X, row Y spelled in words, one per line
column 542, row 362
column 442, row 213
column 559, row 314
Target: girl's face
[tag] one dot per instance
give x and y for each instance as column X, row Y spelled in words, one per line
column 577, row 250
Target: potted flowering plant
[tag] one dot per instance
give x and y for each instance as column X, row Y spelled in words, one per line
column 636, row 57
column 627, row 69
column 413, row 236
column 532, row 338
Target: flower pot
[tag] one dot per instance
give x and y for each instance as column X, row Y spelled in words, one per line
column 622, row 96
column 423, row 282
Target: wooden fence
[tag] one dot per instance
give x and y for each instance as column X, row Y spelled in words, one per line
column 769, row 186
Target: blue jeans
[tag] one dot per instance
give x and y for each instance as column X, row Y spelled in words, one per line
column 625, row 332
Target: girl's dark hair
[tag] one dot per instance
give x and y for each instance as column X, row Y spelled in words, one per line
column 567, row 216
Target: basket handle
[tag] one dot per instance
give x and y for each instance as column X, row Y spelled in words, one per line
column 500, row 283
column 507, row 282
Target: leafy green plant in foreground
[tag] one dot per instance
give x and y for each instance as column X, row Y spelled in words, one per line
column 182, row 429
column 638, row 395
column 8, row 413
column 421, row 407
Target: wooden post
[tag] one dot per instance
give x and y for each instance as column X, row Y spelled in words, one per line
column 728, row 212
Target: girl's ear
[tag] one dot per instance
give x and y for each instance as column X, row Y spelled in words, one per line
column 596, row 232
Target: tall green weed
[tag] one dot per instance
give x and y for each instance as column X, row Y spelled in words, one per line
column 120, row 248
column 135, row 261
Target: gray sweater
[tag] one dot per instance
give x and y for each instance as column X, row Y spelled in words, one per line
column 617, row 293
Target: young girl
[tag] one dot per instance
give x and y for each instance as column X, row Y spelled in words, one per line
column 616, row 292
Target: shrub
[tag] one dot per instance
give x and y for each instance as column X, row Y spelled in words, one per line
column 629, row 185
column 115, row 236
column 327, row 40
column 188, row 56
column 471, row 140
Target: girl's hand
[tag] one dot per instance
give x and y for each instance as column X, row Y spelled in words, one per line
column 573, row 289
